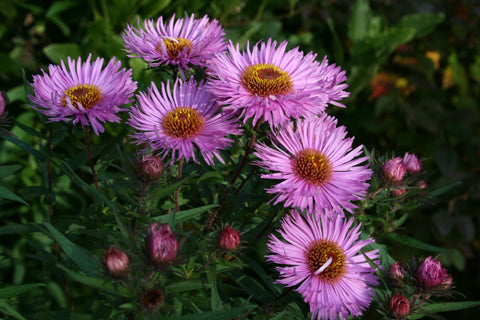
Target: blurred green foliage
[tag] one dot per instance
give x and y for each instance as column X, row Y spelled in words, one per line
column 425, row 101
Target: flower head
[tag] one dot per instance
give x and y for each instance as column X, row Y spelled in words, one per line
column 178, row 42
column 272, row 83
column 394, row 169
column 412, row 163
column 180, row 120
column 162, row 245
column 84, row 92
column 399, row 305
column 322, row 256
column 229, row 239
column 431, row 274
column 316, row 165
column 116, row 263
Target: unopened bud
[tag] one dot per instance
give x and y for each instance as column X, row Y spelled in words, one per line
column 394, row 169
column 412, row 163
column 229, row 239
column 431, row 274
column 150, row 168
column 116, row 263
column 152, row 299
column 399, row 306
column 396, row 271
column 162, row 246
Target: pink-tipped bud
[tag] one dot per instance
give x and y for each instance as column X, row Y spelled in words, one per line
column 229, row 239
column 152, row 299
column 431, row 273
column 396, row 271
column 399, row 306
column 412, row 163
column 150, row 168
column 394, row 169
column 399, row 192
column 2, row 103
column 162, row 246
column 422, row 184
column 116, row 263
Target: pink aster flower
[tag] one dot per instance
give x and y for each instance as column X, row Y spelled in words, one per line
column 179, row 42
column 274, row 83
column 316, row 165
column 394, row 169
column 180, row 120
column 84, row 92
column 322, row 256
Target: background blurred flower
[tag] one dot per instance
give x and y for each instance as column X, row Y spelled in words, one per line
column 317, row 166
column 179, row 42
column 275, row 84
column 180, row 120
column 323, row 257
column 83, row 93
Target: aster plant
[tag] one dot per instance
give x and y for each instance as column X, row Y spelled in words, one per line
column 231, row 191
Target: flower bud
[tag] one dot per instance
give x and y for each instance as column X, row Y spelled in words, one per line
column 396, row 271
column 150, row 168
column 431, row 273
column 422, row 184
column 116, row 263
column 399, row 305
column 152, row 299
column 412, row 163
column 394, row 169
column 2, row 103
column 162, row 246
column 229, row 239
column 399, row 192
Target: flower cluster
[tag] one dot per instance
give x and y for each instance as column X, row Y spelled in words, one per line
column 317, row 171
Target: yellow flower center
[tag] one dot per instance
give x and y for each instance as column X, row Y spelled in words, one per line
column 88, row 95
column 183, row 122
column 312, row 166
column 174, row 47
column 326, row 260
column 266, row 80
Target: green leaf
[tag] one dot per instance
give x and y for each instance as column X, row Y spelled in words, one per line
column 358, row 24
column 185, row 214
column 443, row 307
column 187, row 285
column 9, row 310
column 406, row 240
column 56, row 52
column 423, row 23
column 443, row 190
column 99, row 283
column 59, row 6
column 13, row 291
column 19, row 228
column 216, row 302
column 217, row 315
column 8, row 170
column 7, row 194
column 26, row 147
column 80, row 256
